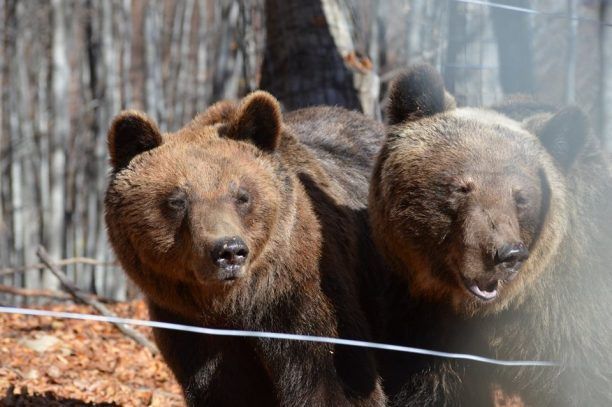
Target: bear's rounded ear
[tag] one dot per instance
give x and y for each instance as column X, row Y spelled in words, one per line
column 416, row 93
column 258, row 120
column 564, row 135
column 131, row 133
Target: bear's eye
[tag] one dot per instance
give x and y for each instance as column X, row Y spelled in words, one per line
column 463, row 188
column 242, row 197
column 520, row 199
column 177, row 202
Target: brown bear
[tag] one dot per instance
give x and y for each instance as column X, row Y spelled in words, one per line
column 499, row 228
column 245, row 219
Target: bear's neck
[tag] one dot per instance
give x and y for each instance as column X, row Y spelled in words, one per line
column 293, row 256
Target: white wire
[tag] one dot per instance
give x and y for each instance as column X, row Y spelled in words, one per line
column 501, row 6
column 272, row 335
column 532, row 11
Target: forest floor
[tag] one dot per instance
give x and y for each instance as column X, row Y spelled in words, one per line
column 60, row 362
column 64, row 362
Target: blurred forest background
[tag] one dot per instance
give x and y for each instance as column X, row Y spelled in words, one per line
column 68, row 66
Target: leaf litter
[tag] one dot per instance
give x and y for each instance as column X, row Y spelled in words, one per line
column 61, row 362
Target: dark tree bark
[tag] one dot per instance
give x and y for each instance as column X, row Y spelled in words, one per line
column 302, row 66
column 514, row 38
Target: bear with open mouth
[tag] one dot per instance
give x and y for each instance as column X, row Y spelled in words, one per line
column 498, row 224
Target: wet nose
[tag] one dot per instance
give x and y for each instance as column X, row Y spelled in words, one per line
column 511, row 256
column 229, row 252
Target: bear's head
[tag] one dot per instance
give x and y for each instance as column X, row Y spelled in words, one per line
column 200, row 206
column 469, row 203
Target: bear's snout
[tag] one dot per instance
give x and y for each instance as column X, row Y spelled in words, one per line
column 510, row 257
column 229, row 254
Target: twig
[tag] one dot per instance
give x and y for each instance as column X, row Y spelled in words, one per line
column 54, row 295
column 77, row 294
column 59, row 263
column 24, row 292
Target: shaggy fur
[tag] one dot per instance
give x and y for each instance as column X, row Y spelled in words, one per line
column 450, row 188
column 294, row 190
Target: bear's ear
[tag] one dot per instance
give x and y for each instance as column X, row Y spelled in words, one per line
column 417, row 93
column 564, row 135
column 258, row 120
column 130, row 134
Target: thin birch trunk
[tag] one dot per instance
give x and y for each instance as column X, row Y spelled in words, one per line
column 173, row 61
column 183, row 81
column 138, row 71
column 22, row 131
column 456, row 41
column 9, row 32
column 126, row 33
column 60, row 77
column 153, row 63
column 605, row 73
column 43, row 142
column 202, row 75
column 570, row 71
column 3, row 89
column 109, row 77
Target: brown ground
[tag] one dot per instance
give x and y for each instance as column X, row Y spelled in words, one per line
column 61, row 362
column 53, row 362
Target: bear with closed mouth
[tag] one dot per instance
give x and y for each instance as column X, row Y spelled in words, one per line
column 250, row 219
column 497, row 223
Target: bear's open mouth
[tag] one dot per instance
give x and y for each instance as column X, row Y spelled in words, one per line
column 484, row 291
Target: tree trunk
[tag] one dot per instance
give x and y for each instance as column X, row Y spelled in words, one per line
column 302, row 65
column 9, row 40
column 604, row 122
column 572, row 41
column 456, row 43
column 60, row 74
column 514, row 48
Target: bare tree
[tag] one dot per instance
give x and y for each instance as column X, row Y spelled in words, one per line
column 457, row 40
column 604, row 122
column 302, row 65
column 68, row 66
column 514, row 39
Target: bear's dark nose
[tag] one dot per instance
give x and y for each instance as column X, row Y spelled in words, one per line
column 511, row 256
column 229, row 253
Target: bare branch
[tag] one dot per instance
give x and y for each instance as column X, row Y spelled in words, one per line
column 51, row 294
column 24, row 292
column 59, row 263
column 89, row 300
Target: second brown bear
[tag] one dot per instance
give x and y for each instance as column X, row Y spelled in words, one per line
column 500, row 227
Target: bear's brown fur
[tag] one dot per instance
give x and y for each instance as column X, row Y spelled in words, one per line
column 292, row 192
column 502, row 231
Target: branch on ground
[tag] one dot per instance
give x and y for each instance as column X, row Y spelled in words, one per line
column 85, row 298
column 59, row 263
column 51, row 294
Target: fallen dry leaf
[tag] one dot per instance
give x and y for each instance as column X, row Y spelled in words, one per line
column 48, row 362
